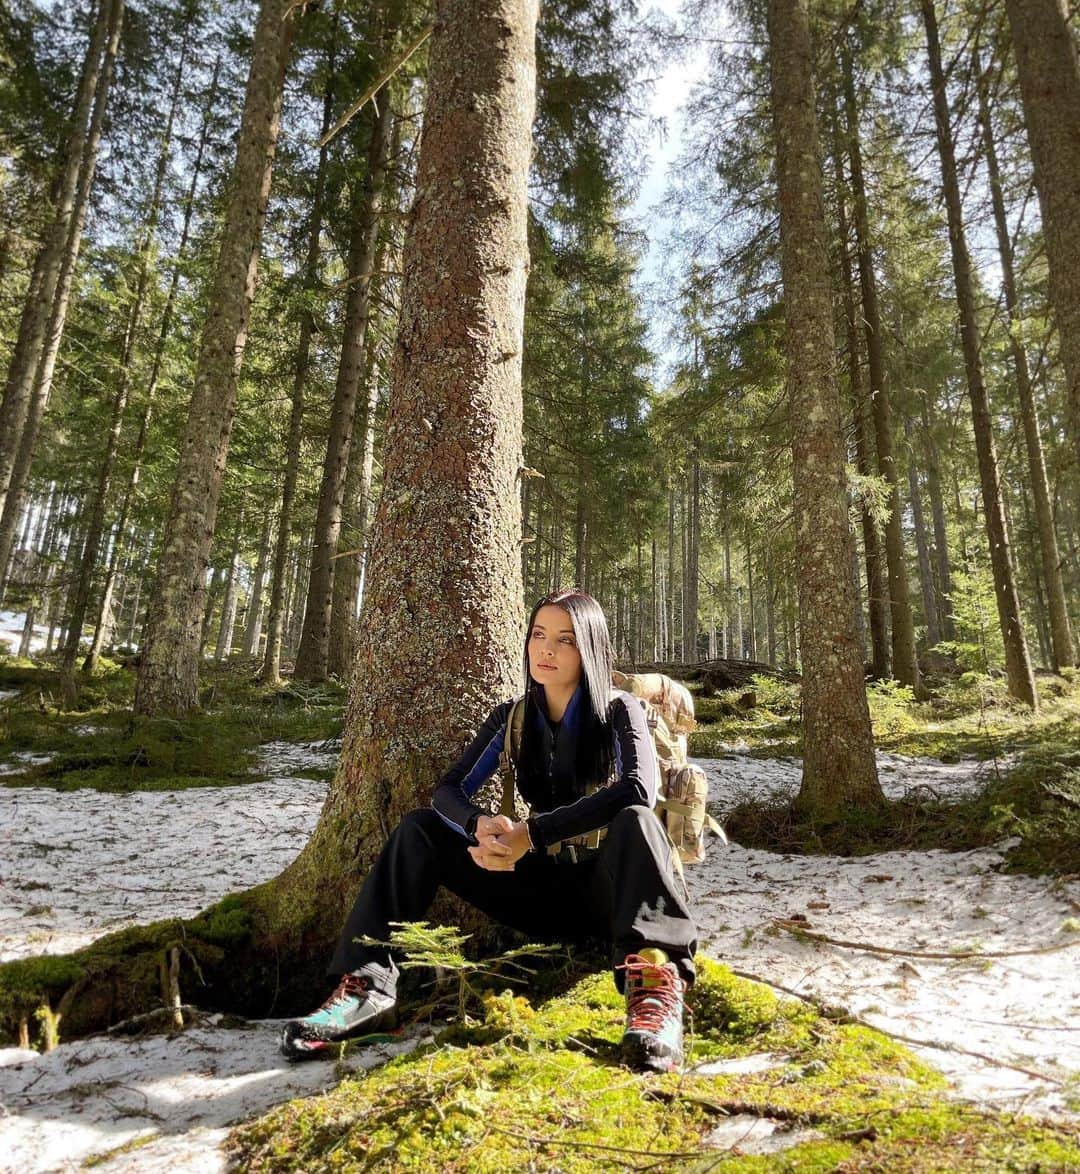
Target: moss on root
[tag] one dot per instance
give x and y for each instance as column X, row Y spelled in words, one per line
column 538, row 1086
column 252, row 953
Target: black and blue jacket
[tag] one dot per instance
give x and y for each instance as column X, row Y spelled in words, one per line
column 560, row 806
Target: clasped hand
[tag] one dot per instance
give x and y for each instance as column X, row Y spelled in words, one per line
column 501, row 843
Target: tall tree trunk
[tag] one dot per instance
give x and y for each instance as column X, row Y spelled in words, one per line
column 155, row 374
column 1021, row 681
column 1061, row 636
column 270, row 673
column 57, row 318
column 169, row 664
column 839, row 771
column 80, row 595
column 922, row 546
column 312, row 658
column 905, row 666
column 1049, row 70
column 41, row 292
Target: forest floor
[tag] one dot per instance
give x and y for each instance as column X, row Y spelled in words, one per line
column 973, row 965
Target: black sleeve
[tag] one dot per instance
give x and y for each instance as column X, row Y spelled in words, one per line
column 635, row 783
column 453, row 796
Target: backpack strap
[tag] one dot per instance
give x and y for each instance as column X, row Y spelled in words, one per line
column 509, row 755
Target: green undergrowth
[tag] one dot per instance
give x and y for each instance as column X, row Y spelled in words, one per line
column 99, row 744
column 536, row 1084
column 1033, row 799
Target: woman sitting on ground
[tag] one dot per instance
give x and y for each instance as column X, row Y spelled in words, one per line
column 585, row 763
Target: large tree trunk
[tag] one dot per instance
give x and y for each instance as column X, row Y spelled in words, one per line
column 1049, row 69
column 1062, row 650
column 839, row 772
column 312, row 658
column 57, row 317
column 1021, row 680
column 41, row 291
column 905, row 666
column 169, row 663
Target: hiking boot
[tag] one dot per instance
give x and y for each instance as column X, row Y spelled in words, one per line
column 654, row 1008
column 354, row 1008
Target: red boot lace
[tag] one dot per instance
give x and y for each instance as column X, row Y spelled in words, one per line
column 649, row 1006
column 350, row 985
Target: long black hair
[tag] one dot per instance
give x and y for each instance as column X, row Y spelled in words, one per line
column 595, row 747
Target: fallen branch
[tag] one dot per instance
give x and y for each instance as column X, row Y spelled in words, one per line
column 595, row 1145
column 870, row 948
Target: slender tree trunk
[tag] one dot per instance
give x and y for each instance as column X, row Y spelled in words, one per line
column 1062, row 652
column 876, row 606
column 276, row 609
column 905, row 666
column 752, row 647
column 169, row 664
column 943, row 576
column 1044, row 40
column 54, row 331
column 41, row 291
column 693, row 558
column 232, row 593
column 922, row 546
column 839, row 771
column 80, row 595
column 155, row 374
column 253, row 626
column 1021, row 681
column 312, row 659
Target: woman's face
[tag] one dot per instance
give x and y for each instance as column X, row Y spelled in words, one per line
column 554, row 659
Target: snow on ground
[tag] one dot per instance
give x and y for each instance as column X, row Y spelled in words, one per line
column 11, row 630
column 74, row 865
column 77, row 864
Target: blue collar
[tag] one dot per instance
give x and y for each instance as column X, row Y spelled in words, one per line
column 571, row 718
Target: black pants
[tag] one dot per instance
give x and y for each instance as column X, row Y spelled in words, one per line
column 626, row 892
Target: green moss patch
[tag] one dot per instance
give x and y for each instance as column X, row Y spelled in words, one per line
column 538, row 1085
column 100, row 744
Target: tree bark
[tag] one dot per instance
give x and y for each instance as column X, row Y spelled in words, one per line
column 905, row 666
column 839, row 771
column 1062, row 651
column 312, row 658
column 1021, row 680
column 1049, row 70
column 169, row 664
